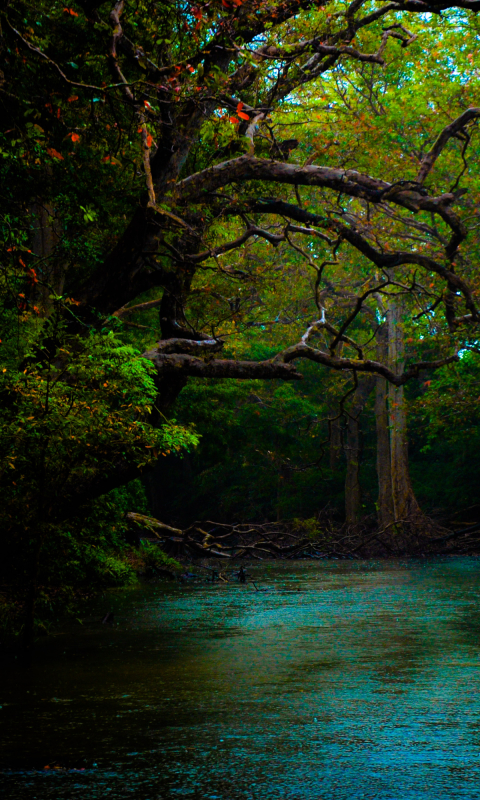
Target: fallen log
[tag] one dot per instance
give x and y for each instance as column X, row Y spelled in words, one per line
column 294, row 539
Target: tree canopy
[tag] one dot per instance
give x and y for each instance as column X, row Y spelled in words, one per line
column 229, row 189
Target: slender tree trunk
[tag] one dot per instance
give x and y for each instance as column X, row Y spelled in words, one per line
column 335, row 438
column 335, row 428
column 386, row 513
column 353, row 451
column 44, row 238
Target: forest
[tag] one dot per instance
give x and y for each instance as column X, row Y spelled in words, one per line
column 239, row 288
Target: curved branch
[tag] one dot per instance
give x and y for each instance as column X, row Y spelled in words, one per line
column 346, row 181
column 450, row 130
column 224, row 248
column 302, row 350
column 55, row 65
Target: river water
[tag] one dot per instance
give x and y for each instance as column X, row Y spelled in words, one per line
column 334, row 680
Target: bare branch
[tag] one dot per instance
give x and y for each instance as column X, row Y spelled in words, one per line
column 450, row 130
column 55, row 65
column 302, row 350
column 224, row 248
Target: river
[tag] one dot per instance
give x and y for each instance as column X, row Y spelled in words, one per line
column 336, row 680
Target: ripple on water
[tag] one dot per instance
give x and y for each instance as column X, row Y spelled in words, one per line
column 344, row 680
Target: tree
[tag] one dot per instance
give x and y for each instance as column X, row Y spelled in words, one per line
column 151, row 136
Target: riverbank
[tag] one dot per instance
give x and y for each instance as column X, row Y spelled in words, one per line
column 314, row 538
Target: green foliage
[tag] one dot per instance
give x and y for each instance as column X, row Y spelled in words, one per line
column 154, row 562
column 74, row 410
column 77, row 400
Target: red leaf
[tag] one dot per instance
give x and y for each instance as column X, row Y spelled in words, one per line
column 70, row 11
column 54, row 153
column 75, row 137
column 242, row 115
column 149, row 140
column 234, row 120
column 72, row 98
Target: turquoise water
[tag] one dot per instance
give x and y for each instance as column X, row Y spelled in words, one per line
column 342, row 680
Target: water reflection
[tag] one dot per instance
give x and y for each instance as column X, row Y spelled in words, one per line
column 343, row 680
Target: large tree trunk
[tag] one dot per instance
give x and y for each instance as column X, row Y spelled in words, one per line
column 353, row 451
column 396, row 501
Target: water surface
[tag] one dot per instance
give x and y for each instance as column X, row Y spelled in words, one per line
column 343, row 680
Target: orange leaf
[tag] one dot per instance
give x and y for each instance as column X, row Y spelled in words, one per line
column 73, row 98
column 149, row 140
column 240, row 106
column 75, row 137
column 140, row 129
column 242, row 115
column 234, row 120
column 70, row 11
column 54, row 153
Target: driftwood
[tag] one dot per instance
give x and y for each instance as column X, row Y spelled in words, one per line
column 297, row 539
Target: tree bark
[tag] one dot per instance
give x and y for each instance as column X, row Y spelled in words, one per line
column 44, row 238
column 335, row 440
column 385, row 500
column 405, row 504
column 396, row 499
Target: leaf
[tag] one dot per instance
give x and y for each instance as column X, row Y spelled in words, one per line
column 243, row 116
column 54, row 153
